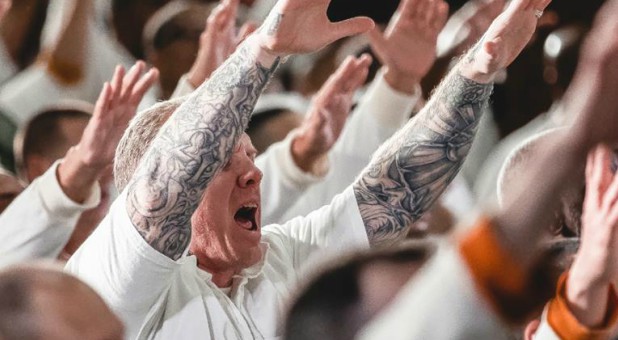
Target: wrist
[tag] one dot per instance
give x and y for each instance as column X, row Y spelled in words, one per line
column 196, row 78
column 592, row 265
column 304, row 155
column 475, row 67
column 477, row 73
column 76, row 177
column 258, row 46
column 401, row 82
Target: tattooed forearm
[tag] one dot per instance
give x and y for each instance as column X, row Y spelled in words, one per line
column 192, row 147
column 415, row 166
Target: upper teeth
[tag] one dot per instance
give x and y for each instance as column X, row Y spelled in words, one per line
column 253, row 205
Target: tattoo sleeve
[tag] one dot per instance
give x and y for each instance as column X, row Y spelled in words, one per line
column 190, row 150
column 411, row 170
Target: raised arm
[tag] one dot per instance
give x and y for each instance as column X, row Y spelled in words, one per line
column 197, row 141
column 414, row 167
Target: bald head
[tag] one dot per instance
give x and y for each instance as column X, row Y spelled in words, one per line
column 42, row 302
column 567, row 221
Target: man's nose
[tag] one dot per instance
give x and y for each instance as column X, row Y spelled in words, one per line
column 251, row 177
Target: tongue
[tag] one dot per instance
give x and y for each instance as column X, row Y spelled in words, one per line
column 243, row 222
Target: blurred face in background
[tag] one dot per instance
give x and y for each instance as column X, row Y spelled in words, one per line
column 10, row 187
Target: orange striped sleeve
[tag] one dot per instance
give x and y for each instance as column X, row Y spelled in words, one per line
column 564, row 323
column 510, row 290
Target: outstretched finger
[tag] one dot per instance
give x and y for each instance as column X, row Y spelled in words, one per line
column 439, row 16
column 116, row 85
column 145, row 82
column 597, row 179
column 361, row 71
column 378, row 43
column 103, row 102
column 335, row 83
column 423, row 8
column 611, row 195
column 231, row 13
column 343, row 78
column 215, row 18
column 407, row 8
column 541, row 4
column 349, row 27
column 519, row 5
column 130, row 79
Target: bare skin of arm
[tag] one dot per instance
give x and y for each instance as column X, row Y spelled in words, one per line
column 414, row 167
column 198, row 140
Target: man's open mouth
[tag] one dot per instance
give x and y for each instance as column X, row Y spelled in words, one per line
column 245, row 217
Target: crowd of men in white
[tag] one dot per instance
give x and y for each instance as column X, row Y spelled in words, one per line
column 159, row 220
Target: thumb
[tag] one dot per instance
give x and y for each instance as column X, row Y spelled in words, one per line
column 350, row 27
column 378, row 43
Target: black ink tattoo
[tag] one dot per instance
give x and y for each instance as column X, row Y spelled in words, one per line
column 412, row 169
column 193, row 146
column 275, row 21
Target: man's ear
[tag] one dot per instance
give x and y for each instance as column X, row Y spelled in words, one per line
column 35, row 166
column 531, row 329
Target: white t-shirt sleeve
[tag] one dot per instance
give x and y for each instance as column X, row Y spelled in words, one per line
column 283, row 182
column 332, row 230
column 121, row 266
column 183, row 87
column 380, row 113
column 441, row 302
column 40, row 221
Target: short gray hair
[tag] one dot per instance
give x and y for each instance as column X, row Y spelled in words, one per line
column 138, row 137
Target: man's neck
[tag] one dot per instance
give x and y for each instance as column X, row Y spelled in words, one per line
column 222, row 278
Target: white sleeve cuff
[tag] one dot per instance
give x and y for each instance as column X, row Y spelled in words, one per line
column 183, row 88
column 55, row 200
column 390, row 107
column 290, row 172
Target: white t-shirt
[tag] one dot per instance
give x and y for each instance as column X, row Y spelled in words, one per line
column 40, row 221
column 165, row 299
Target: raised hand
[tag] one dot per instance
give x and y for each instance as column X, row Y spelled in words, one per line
column 592, row 93
column 117, row 104
column 218, row 40
column 328, row 112
column 301, row 26
column 596, row 263
column 466, row 26
column 504, row 40
column 407, row 48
